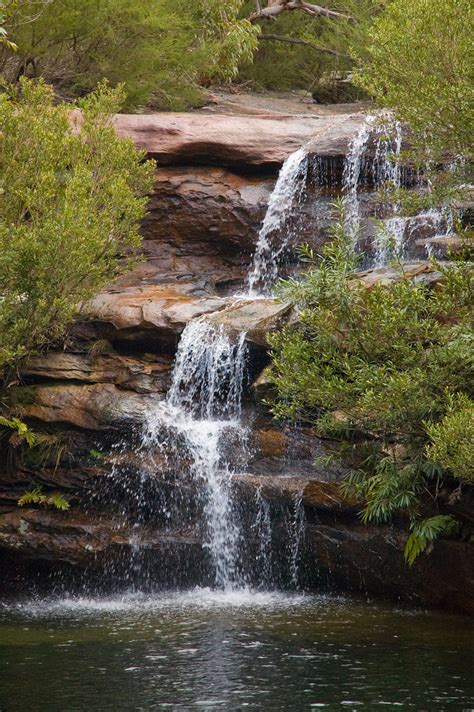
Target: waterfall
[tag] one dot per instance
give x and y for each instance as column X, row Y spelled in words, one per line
column 383, row 135
column 201, row 411
column 262, row 529
column 296, row 531
column 198, row 430
column 288, row 190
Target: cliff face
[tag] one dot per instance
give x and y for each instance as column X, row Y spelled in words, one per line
column 216, row 170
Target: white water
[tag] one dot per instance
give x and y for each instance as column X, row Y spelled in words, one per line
column 272, row 239
column 201, row 410
column 296, row 537
column 378, row 143
column 262, row 529
column 381, row 134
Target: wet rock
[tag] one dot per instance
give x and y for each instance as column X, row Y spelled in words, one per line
column 440, row 245
column 89, row 541
column 369, row 560
column 318, row 495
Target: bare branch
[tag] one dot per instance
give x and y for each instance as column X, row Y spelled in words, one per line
column 299, row 41
column 278, row 6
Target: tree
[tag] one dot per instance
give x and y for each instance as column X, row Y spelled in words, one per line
column 311, row 51
column 70, row 202
column 389, row 371
column 165, row 51
column 418, row 62
column 161, row 50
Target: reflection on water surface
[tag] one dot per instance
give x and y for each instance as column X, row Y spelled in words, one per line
column 204, row 650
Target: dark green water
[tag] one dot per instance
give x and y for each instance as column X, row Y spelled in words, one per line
column 209, row 651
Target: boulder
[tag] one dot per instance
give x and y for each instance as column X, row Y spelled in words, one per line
column 134, row 312
column 417, row 272
column 247, row 141
column 256, row 317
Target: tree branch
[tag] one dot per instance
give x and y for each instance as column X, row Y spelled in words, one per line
column 297, row 40
column 277, row 7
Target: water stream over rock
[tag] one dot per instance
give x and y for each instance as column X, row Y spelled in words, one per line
column 198, row 429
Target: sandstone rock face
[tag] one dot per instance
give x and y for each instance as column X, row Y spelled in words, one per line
column 147, row 374
column 262, row 141
column 94, row 407
column 203, row 204
column 257, row 318
column 160, row 308
column 216, row 170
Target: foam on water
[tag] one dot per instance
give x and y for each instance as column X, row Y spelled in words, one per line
column 198, row 598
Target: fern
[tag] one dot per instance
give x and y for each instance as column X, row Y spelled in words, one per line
column 30, row 497
column 21, row 429
column 427, row 531
column 35, row 496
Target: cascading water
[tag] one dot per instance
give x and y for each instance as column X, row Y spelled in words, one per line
column 198, row 429
column 288, row 190
column 296, row 537
column 381, row 134
column 374, row 154
column 201, row 411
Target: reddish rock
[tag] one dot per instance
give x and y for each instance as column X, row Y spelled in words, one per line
column 147, row 374
column 93, row 407
column 262, row 141
column 193, row 205
column 257, row 318
column 163, row 307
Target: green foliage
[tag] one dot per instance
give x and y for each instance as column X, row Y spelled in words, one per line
column 425, row 532
column 321, row 66
column 418, row 62
column 70, row 203
column 96, row 454
column 452, row 438
column 36, row 496
column 21, row 430
column 388, row 370
column 160, row 50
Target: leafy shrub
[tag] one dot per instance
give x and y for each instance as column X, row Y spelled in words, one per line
column 452, row 437
column 418, row 62
column 70, row 202
column 388, row 370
